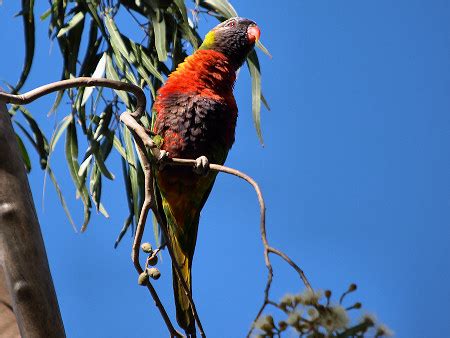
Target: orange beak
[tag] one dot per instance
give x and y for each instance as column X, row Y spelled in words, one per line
column 253, row 33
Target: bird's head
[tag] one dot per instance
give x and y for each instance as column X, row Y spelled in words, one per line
column 234, row 38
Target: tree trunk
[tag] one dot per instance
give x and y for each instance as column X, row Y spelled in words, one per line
column 8, row 324
column 22, row 251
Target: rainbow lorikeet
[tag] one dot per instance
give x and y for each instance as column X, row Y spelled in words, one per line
column 195, row 115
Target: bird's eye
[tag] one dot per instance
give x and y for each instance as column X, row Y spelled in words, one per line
column 231, row 24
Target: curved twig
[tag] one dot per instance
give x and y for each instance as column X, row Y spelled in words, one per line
column 267, row 248
column 140, row 109
column 144, row 144
column 142, row 140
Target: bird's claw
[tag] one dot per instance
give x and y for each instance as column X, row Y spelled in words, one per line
column 201, row 165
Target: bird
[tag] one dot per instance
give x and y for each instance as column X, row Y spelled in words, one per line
column 195, row 115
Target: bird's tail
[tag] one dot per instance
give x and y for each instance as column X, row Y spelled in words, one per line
column 185, row 317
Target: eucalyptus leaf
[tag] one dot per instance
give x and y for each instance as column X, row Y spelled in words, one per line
column 159, row 28
column 222, row 7
column 98, row 73
column 24, row 153
column 76, row 19
column 30, row 39
column 72, row 161
column 253, row 66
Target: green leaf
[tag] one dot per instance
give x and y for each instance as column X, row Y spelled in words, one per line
column 24, row 153
column 132, row 173
column 85, row 165
column 221, row 7
column 60, row 128
column 29, row 30
column 139, row 57
column 61, row 197
column 98, row 73
column 91, row 57
column 255, row 73
column 121, row 151
column 182, row 8
column 56, row 103
column 112, row 74
column 264, row 101
column 263, row 48
column 95, row 185
column 46, row 14
column 92, row 7
column 116, row 39
column 39, row 138
column 159, row 28
column 72, row 161
column 100, row 157
column 76, row 19
column 124, row 229
column 27, row 134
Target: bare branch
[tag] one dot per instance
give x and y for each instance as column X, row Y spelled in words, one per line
column 145, row 144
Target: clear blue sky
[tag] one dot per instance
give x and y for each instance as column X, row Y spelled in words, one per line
column 355, row 172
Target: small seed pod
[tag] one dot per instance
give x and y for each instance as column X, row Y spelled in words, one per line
column 352, row 287
column 282, row 325
column 153, row 260
column 143, row 278
column 147, row 248
column 153, row 273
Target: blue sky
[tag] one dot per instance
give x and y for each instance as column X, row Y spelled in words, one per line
column 355, row 172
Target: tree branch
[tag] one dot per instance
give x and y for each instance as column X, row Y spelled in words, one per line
column 145, row 144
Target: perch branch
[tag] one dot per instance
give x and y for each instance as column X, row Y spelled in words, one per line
column 140, row 108
column 220, row 168
column 144, row 143
column 142, row 140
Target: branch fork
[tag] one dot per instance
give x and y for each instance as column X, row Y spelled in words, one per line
column 147, row 150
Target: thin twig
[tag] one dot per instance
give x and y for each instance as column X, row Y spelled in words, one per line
column 145, row 143
column 140, row 108
column 142, row 140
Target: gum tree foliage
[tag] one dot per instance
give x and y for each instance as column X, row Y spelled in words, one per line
column 169, row 32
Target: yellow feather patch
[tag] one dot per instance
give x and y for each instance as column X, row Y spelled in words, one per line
column 208, row 41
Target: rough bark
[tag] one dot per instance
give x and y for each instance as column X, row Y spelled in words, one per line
column 8, row 324
column 22, row 251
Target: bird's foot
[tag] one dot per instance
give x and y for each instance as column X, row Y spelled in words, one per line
column 201, row 166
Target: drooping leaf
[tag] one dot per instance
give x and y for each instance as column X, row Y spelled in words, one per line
column 59, row 130
column 100, row 158
column 263, row 48
column 98, row 73
column 264, row 101
column 132, row 172
column 91, row 57
column 76, row 19
column 61, row 197
column 221, row 7
column 124, row 230
column 40, row 140
column 29, row 30
column 121, row 151
column 24, row 153
column 159, row 28
column 72, row 161
column 253, row 66
column 115, row 37
column 112, row 74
